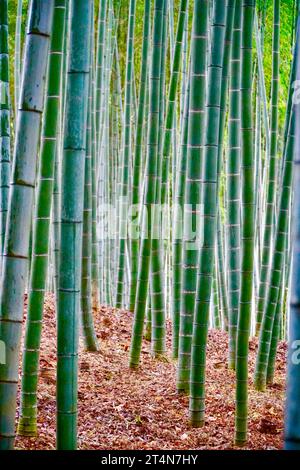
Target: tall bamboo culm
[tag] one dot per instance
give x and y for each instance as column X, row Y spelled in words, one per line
column 137, row 162
column 178, row 227
column 126, row 157
column 233, row 185
column 72, row 199
column 247, row 230
column 89, row 335
column 18, row 53
column 5, row 141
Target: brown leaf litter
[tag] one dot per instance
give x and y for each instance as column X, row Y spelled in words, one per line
column 124, row 409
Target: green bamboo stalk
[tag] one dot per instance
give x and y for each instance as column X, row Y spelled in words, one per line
column 175, row 120
column 150, row 187
column 271, row 179
column 171, row 104
column 184, row 74
column 158, row 315
column 215, row 300
column 18, row 53
column 258, row 183
column 20, row 208
column 210, row 209
column 106, row 152
column 4, row 121
column 115, row 163
column 55, row 214
column 148, row 322
column 233, row 185
column 191, row 243
column 137, row 164
column 223, row 298
column 247, row 230
column 100, row 68
column 225, row 76
column 170, row 9
column 55, row 232
column 177, row 230
column 71, row 224
column 95, row 266
column 127, row 146
column 105, row 149
column 28, row 409
column 275, row 338
column 90, row 339
column 221, row 279
column 262, row 85
column 103, row 166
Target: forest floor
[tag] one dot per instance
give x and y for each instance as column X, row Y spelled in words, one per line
column 124, row 409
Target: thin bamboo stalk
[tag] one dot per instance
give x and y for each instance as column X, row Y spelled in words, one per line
column 18, row 53
column 233, row 185
column 90, row 339
column 5, row 137
column 247, row 231
column 137, row 163
column 127, row 148
column 158, row 314
column 177, row 230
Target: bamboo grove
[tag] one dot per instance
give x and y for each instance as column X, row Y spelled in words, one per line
column 149, row 153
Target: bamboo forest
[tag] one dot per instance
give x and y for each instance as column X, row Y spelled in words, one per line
column 150, row 225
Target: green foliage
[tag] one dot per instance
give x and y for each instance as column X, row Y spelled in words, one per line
column 287, row 23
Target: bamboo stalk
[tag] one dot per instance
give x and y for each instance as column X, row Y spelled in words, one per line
column 5, row 137
column 233, row 185
column 71, row 224
column 127, row 148
column 247, row 230
column 137, row 164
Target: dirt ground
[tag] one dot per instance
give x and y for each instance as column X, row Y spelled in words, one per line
column 124, row 409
